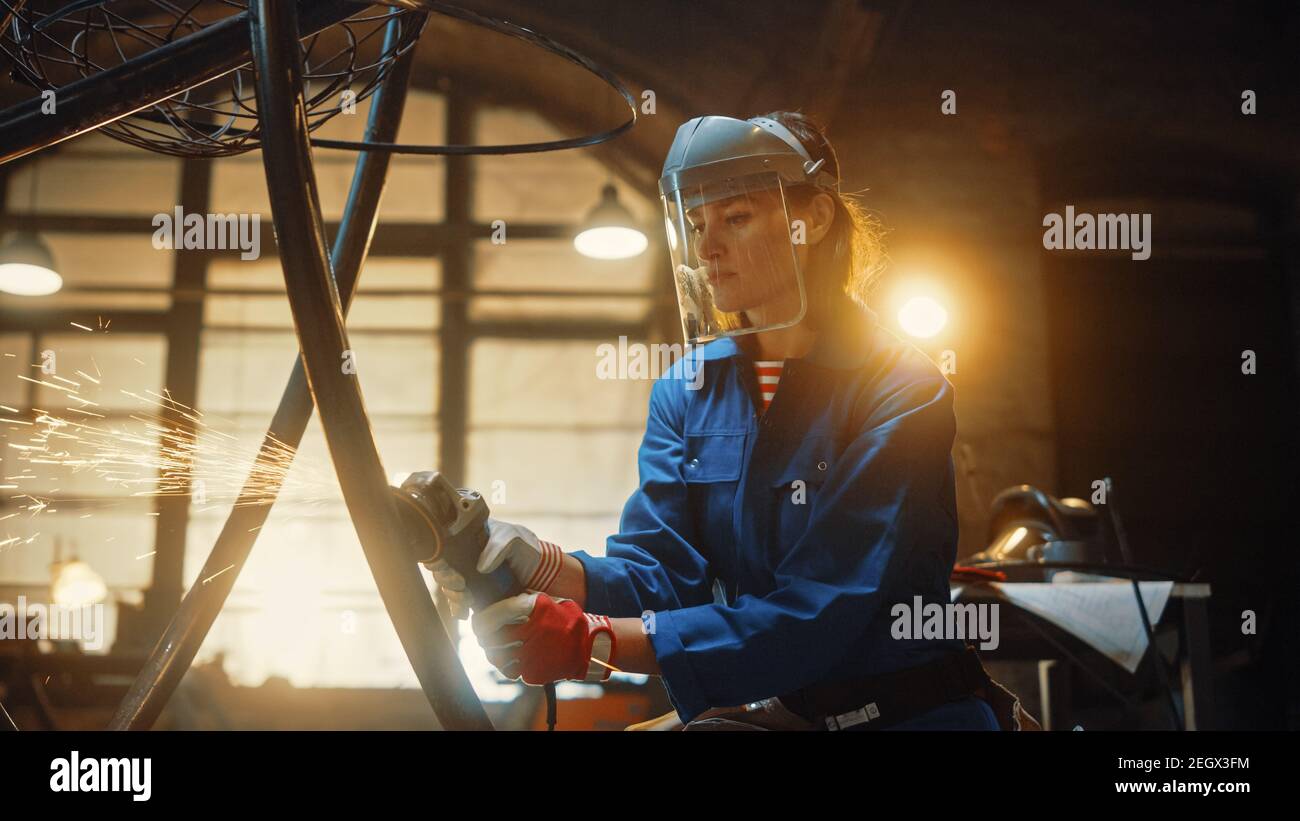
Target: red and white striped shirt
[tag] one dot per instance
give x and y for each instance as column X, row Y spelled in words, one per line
column 769, row 374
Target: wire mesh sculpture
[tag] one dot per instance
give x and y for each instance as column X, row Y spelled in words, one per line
column 179, row 80
column 53, row 43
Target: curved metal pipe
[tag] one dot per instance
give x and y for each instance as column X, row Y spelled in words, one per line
column 318, row 317
column 175, row 651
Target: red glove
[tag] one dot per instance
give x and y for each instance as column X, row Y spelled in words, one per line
column 542, row 639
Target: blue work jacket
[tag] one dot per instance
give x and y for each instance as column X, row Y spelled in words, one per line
column 764, row 552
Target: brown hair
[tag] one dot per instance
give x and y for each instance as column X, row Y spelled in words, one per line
column 844, row 266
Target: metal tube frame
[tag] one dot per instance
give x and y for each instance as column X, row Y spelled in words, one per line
column 176, row 649
column 322, row 336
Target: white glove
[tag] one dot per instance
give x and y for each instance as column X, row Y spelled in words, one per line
column 533, row 562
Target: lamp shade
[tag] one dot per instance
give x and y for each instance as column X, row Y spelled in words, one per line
column 609, row 231
column 27, row 266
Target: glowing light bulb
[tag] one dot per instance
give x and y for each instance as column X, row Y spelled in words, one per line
column 610, row 242
column 922, row 317
column 76, row 584
column 27, row 267
column 609, row 231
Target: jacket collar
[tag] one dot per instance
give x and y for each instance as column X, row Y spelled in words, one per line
column 845, row 346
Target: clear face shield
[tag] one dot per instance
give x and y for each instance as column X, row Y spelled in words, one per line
column 733, row 256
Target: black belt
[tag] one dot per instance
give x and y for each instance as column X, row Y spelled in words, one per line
column 888, row 699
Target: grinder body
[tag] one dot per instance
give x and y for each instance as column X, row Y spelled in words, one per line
column 446, row 523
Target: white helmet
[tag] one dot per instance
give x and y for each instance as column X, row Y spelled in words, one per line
column 733, row 247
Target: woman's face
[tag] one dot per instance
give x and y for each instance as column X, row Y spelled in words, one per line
column 744, row 243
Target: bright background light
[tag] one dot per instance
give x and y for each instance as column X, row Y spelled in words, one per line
column 922, row 317
column 25, row 279
column 610, row 242
column 76, row 584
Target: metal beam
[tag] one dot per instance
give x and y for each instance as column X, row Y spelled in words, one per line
column 55, row 320
column 569, row 329
column 395, row 239
column 184, row 328
column 453, row 363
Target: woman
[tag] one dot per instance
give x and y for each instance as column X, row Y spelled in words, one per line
column 795, row 476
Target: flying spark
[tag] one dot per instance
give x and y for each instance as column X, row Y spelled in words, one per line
column 162, row 447
column 214, row 575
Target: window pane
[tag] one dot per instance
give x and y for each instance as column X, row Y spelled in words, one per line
column 554, row 265
column 99, row 176
column 94, row 474
column 489, row 308
column 121, row 363
column 519, row 383
column 577, row 480
column 533, row 266
column 368, row 312
column 555, row 187
column 399, row 373
column 389, row 299
column 379, row 274
column 414, row 187
column 112, row 542
column 98, row 452
column 550, row 443
column 243, row 373
column 97, row 468
column 261, row 312
column 305, row 606
column 15, row 358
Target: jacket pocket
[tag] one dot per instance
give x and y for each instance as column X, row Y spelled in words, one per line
column 711, row 469
column 713, row 457
column 795, row 490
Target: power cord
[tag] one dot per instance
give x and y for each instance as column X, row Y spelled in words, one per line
column 550, row 706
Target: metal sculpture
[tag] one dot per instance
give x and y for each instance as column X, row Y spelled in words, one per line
column 129, row 100
column 70, row 41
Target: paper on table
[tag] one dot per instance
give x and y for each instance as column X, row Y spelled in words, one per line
column 1102, row 614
